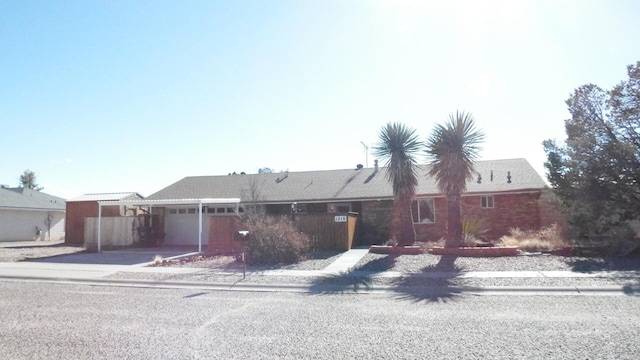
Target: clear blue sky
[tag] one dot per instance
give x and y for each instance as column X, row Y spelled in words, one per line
column 108, row 96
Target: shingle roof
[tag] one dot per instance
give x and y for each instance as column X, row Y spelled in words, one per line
column 27, row 199
column 343, row 185
column 107, row 197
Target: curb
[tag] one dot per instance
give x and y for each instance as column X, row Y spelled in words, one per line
column 419, row 291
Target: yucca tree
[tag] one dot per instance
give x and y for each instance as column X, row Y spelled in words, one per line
column 452, row 149
column 398, row 147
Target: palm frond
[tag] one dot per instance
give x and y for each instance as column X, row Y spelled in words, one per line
column 397, row 147
column 452, row 150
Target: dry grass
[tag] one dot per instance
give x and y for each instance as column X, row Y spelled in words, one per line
column 546, row 239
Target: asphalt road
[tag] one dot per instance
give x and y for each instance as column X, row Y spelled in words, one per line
column 55, row 321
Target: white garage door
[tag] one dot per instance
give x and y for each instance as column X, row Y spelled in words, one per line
column 182, row 227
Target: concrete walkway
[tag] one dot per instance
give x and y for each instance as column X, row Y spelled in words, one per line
column 347, row 260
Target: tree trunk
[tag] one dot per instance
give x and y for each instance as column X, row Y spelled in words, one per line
column 402, row 222
column 454, row 222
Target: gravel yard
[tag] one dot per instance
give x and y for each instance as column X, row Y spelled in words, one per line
column 315, row 261
column 376, row 263
column 26, row 250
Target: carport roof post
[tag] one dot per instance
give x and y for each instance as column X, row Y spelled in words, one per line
column 165, row 202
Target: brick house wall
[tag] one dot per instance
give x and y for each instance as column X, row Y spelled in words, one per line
column 375, row 218
column 76, row 212
column 438, row 229
column 509, row 210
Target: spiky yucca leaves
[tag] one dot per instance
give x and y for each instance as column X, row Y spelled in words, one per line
column 397, row 147
column 452, row 150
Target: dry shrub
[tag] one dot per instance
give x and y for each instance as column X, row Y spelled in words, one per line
column 274, row 240
column 545, row 239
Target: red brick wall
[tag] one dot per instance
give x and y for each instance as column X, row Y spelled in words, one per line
column 510, row 210
column 438, row 229
column 77, row 211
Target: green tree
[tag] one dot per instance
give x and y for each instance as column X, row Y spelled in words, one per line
column 28, row 180
column 596, row 172
column 397, row 147
column 452, row 150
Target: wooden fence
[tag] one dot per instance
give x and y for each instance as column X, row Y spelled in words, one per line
column 328, row 231
column 114, row 231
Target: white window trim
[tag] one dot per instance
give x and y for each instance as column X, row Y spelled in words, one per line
column 433, row 202
column 485, row 199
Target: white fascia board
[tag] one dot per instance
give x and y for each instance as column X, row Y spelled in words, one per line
column 170, row 202
column 30, row 209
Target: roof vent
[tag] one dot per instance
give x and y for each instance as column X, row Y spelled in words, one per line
column 359, row 167
column 509, row 177
column 286, row 175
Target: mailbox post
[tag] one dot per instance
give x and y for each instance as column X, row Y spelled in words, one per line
column 244, row 236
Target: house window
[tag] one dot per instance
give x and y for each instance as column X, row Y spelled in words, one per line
column 301, row 208
column 338, row 208
column 487, row 202
column 423, row 211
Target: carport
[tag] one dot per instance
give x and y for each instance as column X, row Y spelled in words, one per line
column 168, row 202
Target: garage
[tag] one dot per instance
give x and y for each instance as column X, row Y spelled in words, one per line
column 185, row 221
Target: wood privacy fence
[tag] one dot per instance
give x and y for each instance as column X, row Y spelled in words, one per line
column 328, row 231
column 114, row 231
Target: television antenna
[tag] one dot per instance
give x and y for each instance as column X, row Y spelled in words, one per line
column 366, row 153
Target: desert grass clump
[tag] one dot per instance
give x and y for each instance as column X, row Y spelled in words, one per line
column 545, row 239
column 474, row 231
column 157, row 260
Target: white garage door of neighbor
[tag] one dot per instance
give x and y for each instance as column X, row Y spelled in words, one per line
column 182, row 229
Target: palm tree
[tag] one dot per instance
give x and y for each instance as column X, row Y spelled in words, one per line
column 397, row 148
column 452, row 150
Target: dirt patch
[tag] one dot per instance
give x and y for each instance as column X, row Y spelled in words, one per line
column 26, row 250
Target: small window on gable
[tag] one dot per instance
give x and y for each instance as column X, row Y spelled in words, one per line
column 487, row 202
column 423, row 211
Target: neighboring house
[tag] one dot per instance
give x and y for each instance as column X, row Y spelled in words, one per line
column 86, row 206
column 27, row 214
column 504, row 193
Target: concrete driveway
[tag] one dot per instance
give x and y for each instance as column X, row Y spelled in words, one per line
column 59, row 252
column 132, row 256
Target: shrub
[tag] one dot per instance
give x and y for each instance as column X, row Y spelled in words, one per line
column 274, row 240
column 473, row 230
column 619, row 240
column 545, row 239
